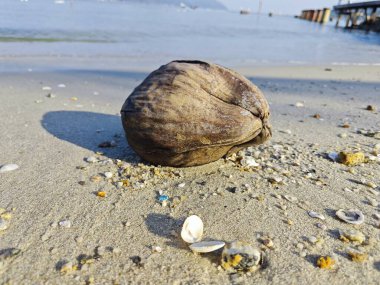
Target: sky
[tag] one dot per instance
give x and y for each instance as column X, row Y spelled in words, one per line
column 289, row 7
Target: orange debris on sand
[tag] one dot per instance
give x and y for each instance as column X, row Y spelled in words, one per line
column 325, row 262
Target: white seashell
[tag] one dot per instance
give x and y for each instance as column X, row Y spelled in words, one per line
column 207, row 246
column 8, row 167
column 351, row 216
column 299, row 104
column 46, row 88
column 108, row 174
column 290, row 198
column 181, row 185
column 249, row 161
column 316, row 215
column 91, row 159
column 192, row 229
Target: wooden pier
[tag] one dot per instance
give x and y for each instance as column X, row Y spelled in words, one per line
column 367, row 11
column 319, row 16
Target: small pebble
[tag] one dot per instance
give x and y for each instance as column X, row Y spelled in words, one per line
column 299, row 104
column 156, row 249
column 79, row 239
column 101, row 194
column 371, row 108
column 45, row 237
column 371, row 185
column 313, row 239
column 322, row 226
column 163, row 198
column 116, row 250
column 100, row 250
column 4, row 224
column 65, row 224
column 46, row 88
column 268, row 242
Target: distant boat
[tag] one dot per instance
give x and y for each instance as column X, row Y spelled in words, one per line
column 245, row 11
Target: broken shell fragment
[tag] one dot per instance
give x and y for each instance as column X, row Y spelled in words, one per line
column 352, row 235
column 333, row 156
column 190, row 113
column 192, row 229
column 316, row 215
column 350, row 216
column 207, row 246
column 241, row 256
column 249, row 161
column 8, row 167
column 290, row 198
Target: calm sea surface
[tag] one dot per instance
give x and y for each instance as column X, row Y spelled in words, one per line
column 118, row 30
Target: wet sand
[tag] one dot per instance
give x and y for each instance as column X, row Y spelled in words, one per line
column 50, row 137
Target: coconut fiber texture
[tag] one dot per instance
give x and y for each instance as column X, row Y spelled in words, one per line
column 190, row 113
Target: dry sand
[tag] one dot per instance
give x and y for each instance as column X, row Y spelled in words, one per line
column 50, row 137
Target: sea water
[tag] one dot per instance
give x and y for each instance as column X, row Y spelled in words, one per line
column 120, row 32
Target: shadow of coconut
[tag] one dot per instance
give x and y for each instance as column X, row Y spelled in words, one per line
column 88, row 130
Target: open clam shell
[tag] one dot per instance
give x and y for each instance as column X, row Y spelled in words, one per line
column 192, row 229
column 190, row 112
column 352, row 216
column 207, row 246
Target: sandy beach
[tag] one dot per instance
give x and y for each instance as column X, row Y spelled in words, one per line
column 60, row 232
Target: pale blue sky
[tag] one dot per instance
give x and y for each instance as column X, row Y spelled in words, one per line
column 292, row 7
